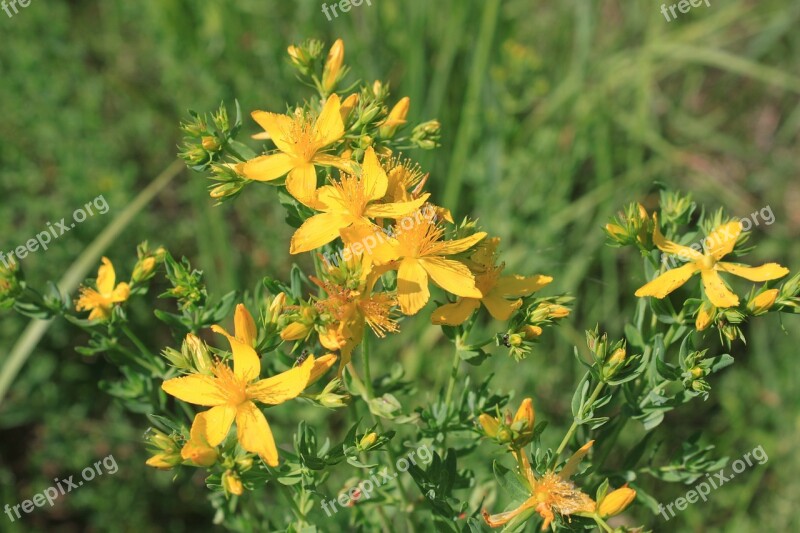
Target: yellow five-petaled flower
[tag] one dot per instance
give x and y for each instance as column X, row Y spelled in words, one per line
column 232, row 393
column 101, row 301
column 300, row 143
column 709, row 264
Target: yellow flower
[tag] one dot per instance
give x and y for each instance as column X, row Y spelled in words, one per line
column 101, row 301
column 232, row 393
column 553, row 493
column 495, row 290
column 300, row 143
column 350, row 201
column 722, row 240
column 419, row 253
column 244, row 326
column 351, row 309
column 616, row 502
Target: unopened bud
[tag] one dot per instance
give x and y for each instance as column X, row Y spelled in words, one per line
column 616, row 502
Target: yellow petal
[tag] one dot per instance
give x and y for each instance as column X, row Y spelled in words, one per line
column 373, row 177
column 321, row 366
column 412, row 286
column 254, row 433
column 279, row 128
column 723, row 239
column 318, row 231
column 244, row 326
column 198, row 389
column 572, row 463
column 455, row 313
column 669, row 247
column 500, row 308
column 515, row 286
column 218, row 421
column 668, row 281
column 268, row 167
column 120, row 293
column 328, row 160
column 396, row 210
column 452, row 276
column 302, row 184
column 459, row 245
column 765, row 272
column 329, row 127
column 716, row 290
column 386, row 249
column 330, row 200
column 106, row 277
column 246, row 364
column 501, row 519
column 284, row 386
column 197, row 449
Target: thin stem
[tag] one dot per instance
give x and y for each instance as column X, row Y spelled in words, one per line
column 451, row 385
column 365, row 361
column 602, row 523
column 575, row 423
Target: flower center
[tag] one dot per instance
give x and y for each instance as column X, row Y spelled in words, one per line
column 708, row 262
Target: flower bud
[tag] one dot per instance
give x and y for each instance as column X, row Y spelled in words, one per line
column 143, row 269
column 531, row 332
column 489, row 424
column 232, row 484
column 163, row 461
column 244, row 326
column 348, row 105
column 616, row 502
column 397, row 117
column 210, row 143
column 761, row 303
column 333, row 66
column 295, row 331
column 705, row 316
column 196, row 352
column 367, row 441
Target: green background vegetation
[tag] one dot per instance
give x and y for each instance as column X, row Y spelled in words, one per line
column 554, row 114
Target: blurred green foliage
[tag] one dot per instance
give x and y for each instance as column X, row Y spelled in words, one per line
column 554, row 116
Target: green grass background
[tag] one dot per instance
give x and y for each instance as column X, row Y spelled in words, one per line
column 554, row 114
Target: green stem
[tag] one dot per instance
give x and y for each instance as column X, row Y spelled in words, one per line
column 136, row 341
column 365, row 361
column 597, row 390
column 602, row 523
column 451, row 385
column 78, row 271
